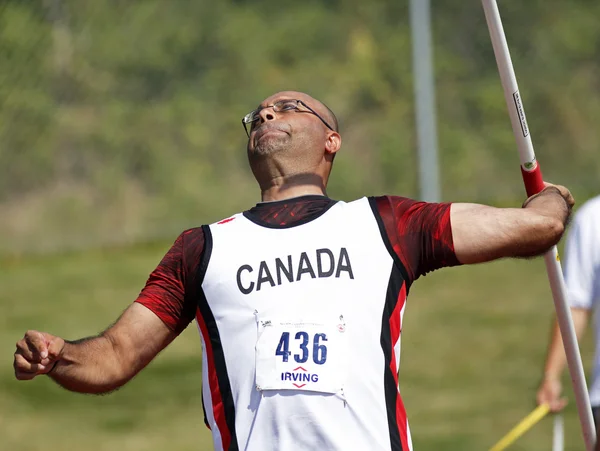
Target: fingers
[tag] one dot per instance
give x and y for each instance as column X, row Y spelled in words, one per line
column 542, row 398
column 29, row 351
column 570, row 199
column 23, row 349
column 37, row 344
column 557, row 405
column 25, row 368
column 36, row 354
column 549, row 393
column 22, row 376
column 560, row 404
column 548, row 400
column 565, row 193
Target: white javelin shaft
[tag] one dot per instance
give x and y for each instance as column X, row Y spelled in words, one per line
column 533, row 182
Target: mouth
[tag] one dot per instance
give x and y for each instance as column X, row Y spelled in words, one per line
column 265, row 130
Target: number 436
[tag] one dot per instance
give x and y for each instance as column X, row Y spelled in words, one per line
column 319, row 351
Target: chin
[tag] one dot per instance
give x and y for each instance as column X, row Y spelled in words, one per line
column 269, row 147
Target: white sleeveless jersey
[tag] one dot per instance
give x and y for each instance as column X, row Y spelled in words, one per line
column 300, row 331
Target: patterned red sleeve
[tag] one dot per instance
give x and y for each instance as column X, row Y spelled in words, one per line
column 419, row 232
column 170, row 289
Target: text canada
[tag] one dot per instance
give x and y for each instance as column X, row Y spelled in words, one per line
column 321, row 263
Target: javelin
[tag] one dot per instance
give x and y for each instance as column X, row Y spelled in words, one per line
column 532, row 177
column 527, row 423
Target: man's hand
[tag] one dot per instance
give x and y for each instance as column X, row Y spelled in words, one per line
column 549, row 393
column 563, row 191
column 37, row 353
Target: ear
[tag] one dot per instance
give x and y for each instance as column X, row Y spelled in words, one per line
column 333, row 142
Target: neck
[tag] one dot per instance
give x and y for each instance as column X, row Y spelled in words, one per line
column 283, row 188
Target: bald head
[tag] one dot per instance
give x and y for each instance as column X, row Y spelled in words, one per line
column 292, row 133
column 319, row 107
column 331, row 118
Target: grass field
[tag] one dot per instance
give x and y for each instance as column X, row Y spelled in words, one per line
column 473, row 345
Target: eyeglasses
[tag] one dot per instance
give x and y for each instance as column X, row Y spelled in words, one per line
column 279, row 106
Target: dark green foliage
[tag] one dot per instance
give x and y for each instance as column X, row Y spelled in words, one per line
column 120, row 121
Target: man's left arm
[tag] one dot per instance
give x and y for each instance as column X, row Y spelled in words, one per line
column 481, row 233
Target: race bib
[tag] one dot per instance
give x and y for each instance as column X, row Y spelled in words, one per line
column 301, row 355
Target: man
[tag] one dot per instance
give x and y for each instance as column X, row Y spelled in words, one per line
column 293, row 293
column 582, row 280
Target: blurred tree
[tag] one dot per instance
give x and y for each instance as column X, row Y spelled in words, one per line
column 120, row 121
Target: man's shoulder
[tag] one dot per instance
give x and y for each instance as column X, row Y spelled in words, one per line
column 191, row 232
column 392, row 203
column 393, row 197
column 191, row 238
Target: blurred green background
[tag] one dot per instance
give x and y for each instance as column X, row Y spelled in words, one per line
column 120, row 127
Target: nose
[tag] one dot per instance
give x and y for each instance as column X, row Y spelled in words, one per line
column 266, row 114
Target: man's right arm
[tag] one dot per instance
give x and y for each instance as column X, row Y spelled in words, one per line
column 97, row 364
column 481, row 233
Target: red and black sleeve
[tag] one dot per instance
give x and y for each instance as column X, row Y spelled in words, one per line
column 170, row 290
column 420, row 233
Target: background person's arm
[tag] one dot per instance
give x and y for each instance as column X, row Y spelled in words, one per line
column 481, row 233
column 550, row 389
column 96, row 364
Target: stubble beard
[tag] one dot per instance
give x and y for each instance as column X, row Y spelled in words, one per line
column 269, row 145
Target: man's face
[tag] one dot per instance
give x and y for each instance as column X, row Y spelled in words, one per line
column 284, row 124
